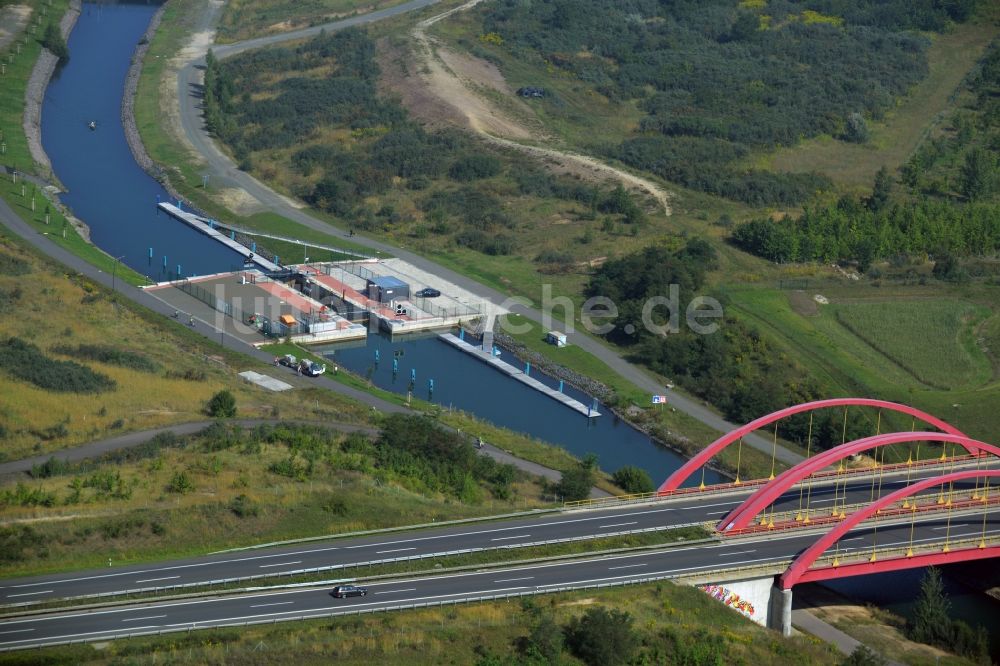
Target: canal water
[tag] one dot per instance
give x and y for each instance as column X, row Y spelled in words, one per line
column 467, row 383
column 112, row 195
column 105, row 187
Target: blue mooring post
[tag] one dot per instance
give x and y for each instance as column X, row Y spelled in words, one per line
column 178, row 271
column 180, row 204
column 150, row 253
column 253, row 246
column 277, row 262
column 461, row 334
column 527, row 368
column 592, row 408
column 430, row 385
column 232, row 235
column 164, row 262
column 413, row 374
column 157, row 201
column 377, row 355
column 560, row 386
column 395, row 365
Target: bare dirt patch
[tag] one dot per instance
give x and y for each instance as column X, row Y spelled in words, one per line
column 803, row 304
column 13, row 18
column 441, row 86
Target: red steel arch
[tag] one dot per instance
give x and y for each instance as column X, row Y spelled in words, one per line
column 797, row 571
column 694, row 464
column 741, row 516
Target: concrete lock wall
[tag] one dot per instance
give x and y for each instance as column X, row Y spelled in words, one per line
column 757, row 599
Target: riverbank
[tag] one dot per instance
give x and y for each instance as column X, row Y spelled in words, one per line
column 38, row 82
column 132, row 137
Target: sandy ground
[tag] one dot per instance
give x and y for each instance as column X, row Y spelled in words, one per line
column 451, row 86
column 13, row 18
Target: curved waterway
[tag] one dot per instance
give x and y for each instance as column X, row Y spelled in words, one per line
column 112, row 195
column 466, row 383
column 105, row 187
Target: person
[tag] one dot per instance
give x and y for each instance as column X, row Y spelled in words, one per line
column 191, row 321
column 277, row 360
column 176, row 313
column 479, row 442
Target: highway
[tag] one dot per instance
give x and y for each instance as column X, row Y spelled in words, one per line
column 265, row 606
column 385, row 547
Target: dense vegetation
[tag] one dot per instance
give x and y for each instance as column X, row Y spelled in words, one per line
column 23, row 360
column 108, row 354
column 715, row 80
column 946, row 202
column 52, row 39
column 736, row 368
column 932, row 623
column 315, row 107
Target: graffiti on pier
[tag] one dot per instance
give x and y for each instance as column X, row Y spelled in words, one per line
column 731, row 599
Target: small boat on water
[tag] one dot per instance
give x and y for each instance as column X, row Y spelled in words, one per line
column 92, row 124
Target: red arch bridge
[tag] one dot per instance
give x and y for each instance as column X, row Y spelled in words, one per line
column 892, row 468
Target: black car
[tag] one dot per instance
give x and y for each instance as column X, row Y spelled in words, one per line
column 429, row 292
column 342, row 591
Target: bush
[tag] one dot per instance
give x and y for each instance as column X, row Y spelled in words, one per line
column 23, row 360
column 52, row 39
column 11, row 265
column 474, row 167
column 602, row 637
column 110, row 355
column 575, row 483
column 180, row 483
column 633, row 479
column 51, row 467
column 244, row 507
column 222, row 405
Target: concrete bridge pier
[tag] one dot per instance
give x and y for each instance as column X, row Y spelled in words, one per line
column 786, row 613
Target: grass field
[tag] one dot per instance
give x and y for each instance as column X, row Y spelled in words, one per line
column 950, row 56
column 243, row 19
column 930, row 339
column 57, row 309
column 664, row 613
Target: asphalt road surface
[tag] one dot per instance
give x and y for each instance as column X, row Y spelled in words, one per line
column 346, row 552
column 225, row 173
column 151, row 618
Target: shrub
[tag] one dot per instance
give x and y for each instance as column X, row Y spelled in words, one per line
column 180, row 483
column 51, row 467
column 633, row 479
column 26, row 362
column 109, row 355
column 52, row 39
column 222, row 405
column 243, row 506
column 11, row 265
column 602, row 637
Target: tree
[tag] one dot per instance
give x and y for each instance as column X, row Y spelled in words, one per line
column 633, row 479
column 978, row 174
column 881, row 191
column 856, row 129
column 602, row 637
column 576, row 483
column 931, row 623
column 52, row 39
column 864, row 656
column 544, row 643
column 222, row 405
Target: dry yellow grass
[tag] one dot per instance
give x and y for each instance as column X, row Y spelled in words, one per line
column 55, row 309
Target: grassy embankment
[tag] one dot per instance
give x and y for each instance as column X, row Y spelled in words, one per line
column 20, row 195
column 673, row 620
column 68, row 310
column 243, row 19
column 219, row 491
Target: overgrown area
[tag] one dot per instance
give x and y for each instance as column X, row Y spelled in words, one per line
column 714, row 82
column 231, row 485
column 944, row 203
column 310, row 118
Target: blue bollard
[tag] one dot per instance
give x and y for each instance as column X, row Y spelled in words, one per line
column 413, row 374
column 430, row 385
column 232, row 235
column 164, row 262
column 178, row 271
column 180, row 205
column 278, row 263
column 461, row 334
column 157, row 198
column 253, row 246
column 527, row 368
column 560, row 386
column 377, row 356
column 150, row 253
column 395, row 365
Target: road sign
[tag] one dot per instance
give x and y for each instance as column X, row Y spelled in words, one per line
column 659, row 399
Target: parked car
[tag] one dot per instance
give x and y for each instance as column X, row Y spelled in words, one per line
column 428, row 292
column 343, row 591
column 311, row 368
